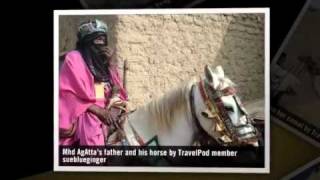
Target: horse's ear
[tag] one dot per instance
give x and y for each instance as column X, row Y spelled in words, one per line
column 208, row 73
column 211, row 77
column 219, row 71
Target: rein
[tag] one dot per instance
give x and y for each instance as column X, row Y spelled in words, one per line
column 203, row 137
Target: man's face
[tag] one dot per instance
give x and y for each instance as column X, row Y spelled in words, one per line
column 100, row 40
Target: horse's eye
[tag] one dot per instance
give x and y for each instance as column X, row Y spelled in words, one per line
column 211, row 88
column 228, row 108
column 204, row 114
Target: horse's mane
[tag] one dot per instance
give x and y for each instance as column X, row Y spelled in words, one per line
column 164, row 109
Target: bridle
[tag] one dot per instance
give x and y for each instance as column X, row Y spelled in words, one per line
column 223, row 130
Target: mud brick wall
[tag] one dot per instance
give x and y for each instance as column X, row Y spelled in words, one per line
column 164, row 51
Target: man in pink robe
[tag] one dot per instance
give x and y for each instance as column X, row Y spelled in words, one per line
column 89, row 85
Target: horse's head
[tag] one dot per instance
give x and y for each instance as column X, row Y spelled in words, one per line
column 220, row 112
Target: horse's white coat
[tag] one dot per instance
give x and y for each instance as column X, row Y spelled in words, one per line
column 182, row 126
column 181, row 132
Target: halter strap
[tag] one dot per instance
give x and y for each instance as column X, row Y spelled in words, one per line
column 228, row 133
column 204, row 138
column 205, row 97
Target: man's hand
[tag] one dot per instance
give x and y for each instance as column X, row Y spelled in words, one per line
column 106, row 116
column 115, row 113
column 116, row 102
column 111, row 117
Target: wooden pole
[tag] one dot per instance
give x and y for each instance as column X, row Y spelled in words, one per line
column 125, row 68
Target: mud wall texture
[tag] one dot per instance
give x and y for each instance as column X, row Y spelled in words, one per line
column 163, row 51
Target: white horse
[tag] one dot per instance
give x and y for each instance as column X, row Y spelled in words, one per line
column 178, row 116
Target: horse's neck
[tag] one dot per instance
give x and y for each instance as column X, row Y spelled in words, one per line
column 180, row 132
